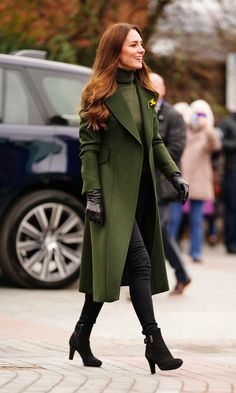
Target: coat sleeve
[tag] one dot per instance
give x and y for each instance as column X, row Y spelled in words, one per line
column 213, row 140
column 90, row 142
column 162, row 158
column 176, row 135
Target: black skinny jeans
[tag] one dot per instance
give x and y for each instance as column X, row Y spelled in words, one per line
column 139, row 269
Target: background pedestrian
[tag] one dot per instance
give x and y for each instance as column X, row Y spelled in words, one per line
column 228, row 127
column 202, row 141
column 172, row 129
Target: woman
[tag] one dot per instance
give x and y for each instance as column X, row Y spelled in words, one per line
column 122, row 240
column 196, row 164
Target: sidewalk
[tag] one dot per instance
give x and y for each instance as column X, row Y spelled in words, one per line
column 199, row 326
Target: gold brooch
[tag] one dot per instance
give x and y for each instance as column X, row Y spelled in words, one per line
column 151, row 102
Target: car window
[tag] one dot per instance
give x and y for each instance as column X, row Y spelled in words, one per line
column 19, row 106
column 60, row 93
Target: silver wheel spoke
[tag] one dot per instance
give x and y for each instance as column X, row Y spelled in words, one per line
column 45, row 265
column 36, row 258
column 67, row 225
column 42, row 219
column 71, row 238
column 28, row 245
column 60, row 263
column 30, row 230
column 69, row 253
column 55, row 216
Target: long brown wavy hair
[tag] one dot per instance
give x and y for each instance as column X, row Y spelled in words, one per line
column 102, row 83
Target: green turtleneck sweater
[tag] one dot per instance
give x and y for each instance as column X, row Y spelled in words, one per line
column 126, row 84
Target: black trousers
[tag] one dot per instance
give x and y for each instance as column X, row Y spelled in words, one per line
column 139, row 270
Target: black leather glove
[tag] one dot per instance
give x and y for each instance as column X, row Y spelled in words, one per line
column 181, row 187
column 94, row 208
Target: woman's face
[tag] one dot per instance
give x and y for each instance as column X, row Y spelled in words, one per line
column 132, row 52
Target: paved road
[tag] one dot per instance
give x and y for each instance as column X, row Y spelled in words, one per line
column 199, row 326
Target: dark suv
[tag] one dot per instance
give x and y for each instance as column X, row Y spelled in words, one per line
column 41, row 207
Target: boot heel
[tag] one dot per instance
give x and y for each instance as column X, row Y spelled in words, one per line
column 71, row 354
column 152, row 366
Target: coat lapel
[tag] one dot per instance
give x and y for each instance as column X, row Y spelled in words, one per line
column 145, row 97
column 120, row 110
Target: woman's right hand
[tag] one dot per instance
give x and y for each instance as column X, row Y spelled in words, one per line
column 94, row 209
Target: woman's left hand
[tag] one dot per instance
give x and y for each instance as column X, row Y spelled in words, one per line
column 181, row 186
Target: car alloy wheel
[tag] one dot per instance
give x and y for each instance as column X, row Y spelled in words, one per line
column 41, row 239
column 48, row 242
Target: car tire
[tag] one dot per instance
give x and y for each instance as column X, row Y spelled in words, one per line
column 41, row 240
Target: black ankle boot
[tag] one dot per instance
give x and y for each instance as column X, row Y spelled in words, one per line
column 79, row 341
column 158, row 353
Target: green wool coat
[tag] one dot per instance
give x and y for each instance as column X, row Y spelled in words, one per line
column 112, row 161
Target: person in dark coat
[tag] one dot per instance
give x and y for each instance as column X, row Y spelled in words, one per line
column 228, row 127
column 119, row 149
column 172, row 129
